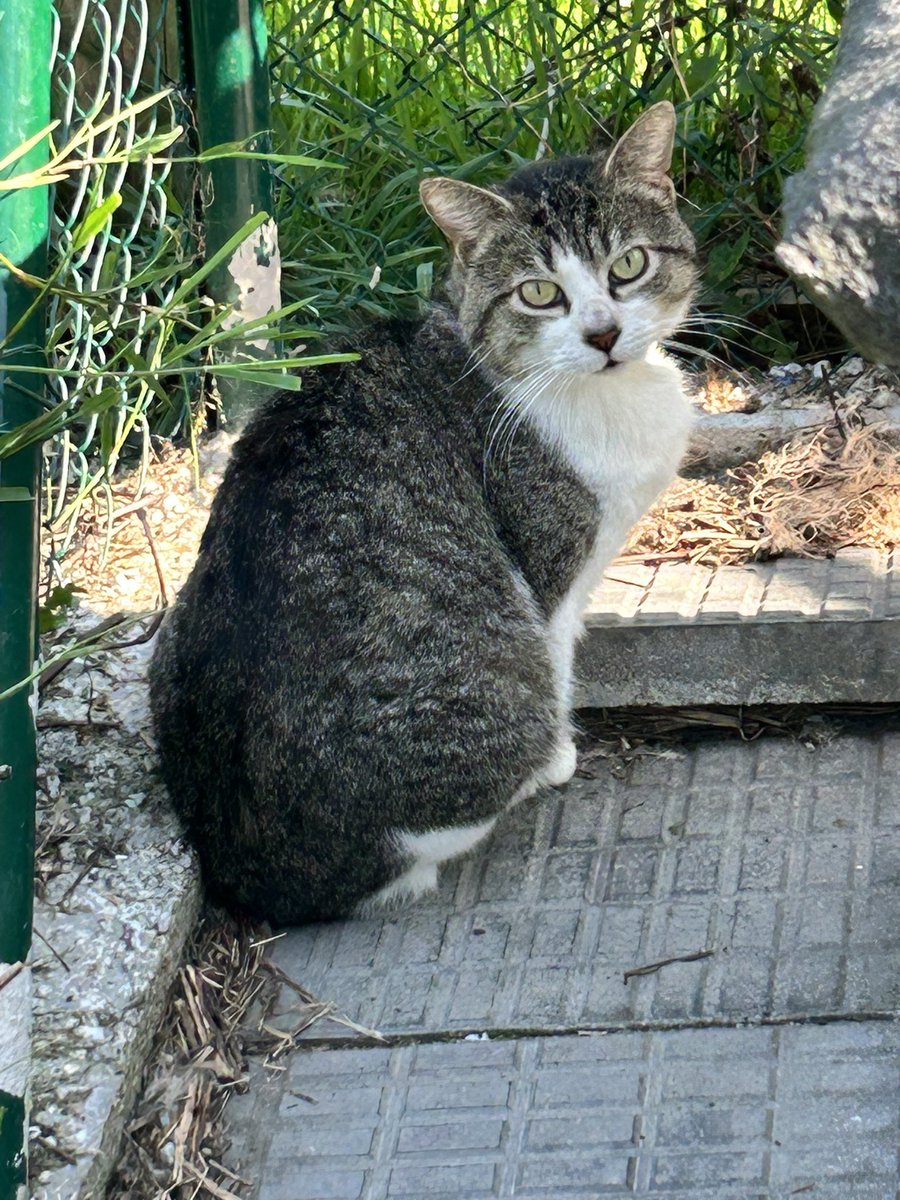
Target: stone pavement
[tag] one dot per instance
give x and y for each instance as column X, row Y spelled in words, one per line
column 572, row 890
column 527, row 1057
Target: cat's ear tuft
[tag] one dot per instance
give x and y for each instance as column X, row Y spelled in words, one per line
column 462, row 211
column 645, row 150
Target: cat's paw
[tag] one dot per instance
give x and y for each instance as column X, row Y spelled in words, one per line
column 561, row 766
column 417, row 881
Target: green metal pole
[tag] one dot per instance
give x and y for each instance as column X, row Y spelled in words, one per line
column 227, row 65
column 25, row 33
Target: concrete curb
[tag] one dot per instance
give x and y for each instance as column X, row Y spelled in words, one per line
column 812, row 631
column 16, row 997
column 89, row 1055
column 111, row 926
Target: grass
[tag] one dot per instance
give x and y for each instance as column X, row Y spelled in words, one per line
column 397, row 90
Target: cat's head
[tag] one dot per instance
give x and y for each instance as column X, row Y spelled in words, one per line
column 573, row 265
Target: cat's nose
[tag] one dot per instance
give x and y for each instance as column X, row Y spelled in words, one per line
column 603, row 339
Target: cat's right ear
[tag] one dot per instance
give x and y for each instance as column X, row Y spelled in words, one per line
column 462, row 211
column 644, row 151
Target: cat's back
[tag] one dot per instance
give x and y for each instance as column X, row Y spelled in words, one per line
column 401, row 384
column 362, row 451
column 350, row 509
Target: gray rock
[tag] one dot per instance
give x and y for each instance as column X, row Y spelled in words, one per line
column 842, row 212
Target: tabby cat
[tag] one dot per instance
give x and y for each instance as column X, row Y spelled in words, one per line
column 372, row 659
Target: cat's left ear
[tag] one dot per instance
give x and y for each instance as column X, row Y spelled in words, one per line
column 644, row 151
column 462, row 211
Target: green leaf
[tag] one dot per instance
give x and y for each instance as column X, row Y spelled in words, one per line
column 14, row 494
column 95, row 220
column 700, row 71
column 272, row 379
column 725, row 257
column 36, row 430
column 239, row 150
column 52, row 613
column 95, row 406
column 276, row 364
column 425, row 279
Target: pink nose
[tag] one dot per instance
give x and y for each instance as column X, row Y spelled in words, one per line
column 603, row 339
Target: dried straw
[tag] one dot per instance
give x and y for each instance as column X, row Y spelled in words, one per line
column 221, row 1011
column 174, row 1143
column 815, row 495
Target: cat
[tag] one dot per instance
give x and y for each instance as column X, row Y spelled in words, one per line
column 372, row 658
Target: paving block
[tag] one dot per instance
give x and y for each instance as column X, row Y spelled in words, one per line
column 790, row 631
column 780, row 861
column 722, row 1114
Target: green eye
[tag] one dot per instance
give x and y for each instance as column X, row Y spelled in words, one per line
column 629, row 266
column 540, row 293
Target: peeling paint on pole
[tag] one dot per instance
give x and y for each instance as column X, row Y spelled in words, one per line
column 255, row 273
column 228, row 65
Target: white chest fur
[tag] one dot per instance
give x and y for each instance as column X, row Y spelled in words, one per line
column 624, row 432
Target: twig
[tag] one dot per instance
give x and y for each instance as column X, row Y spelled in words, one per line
column 148, row 633
column 50, row 673
column 56, row 954
column 230, row 1174
column 832, row 400
column 630, row 582
column 75, row 723
column 9, row 975
column 93, row 861
column 208, row 1184
column 652, row 968
column 648, row 558
column 326, row 1008
column 145, row 524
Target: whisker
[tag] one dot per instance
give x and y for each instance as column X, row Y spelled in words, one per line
column 720, row 337
column 510, row 403
column 707, row 355
column 480, row 357
column 714, row 318
column 524, row 408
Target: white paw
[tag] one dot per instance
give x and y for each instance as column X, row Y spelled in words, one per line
column 417, row 881
column 561, row 766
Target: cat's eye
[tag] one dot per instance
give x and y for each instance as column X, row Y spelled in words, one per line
column 629, row 266
column 540, row 293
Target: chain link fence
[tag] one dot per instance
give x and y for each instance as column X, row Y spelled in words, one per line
column 395, row 89
column 121, row 222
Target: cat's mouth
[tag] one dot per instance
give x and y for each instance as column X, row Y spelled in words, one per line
column 607, row 366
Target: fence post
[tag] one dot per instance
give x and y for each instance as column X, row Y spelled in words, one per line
column 226, row 62
column 25, row 38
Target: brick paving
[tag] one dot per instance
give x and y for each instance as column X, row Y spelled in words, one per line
column 525, row 1065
